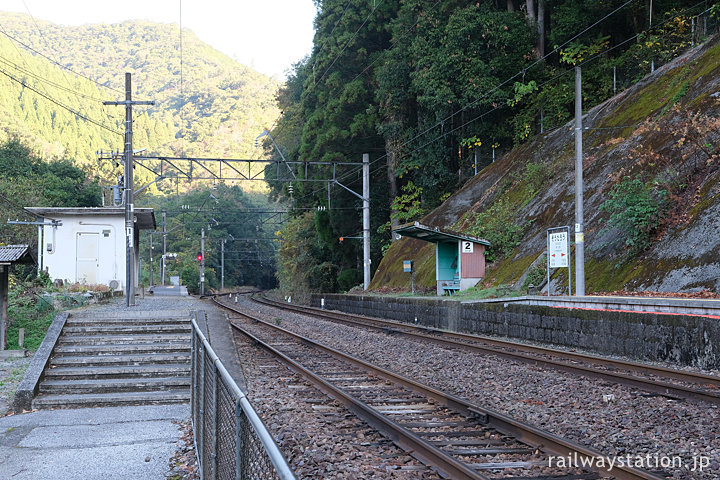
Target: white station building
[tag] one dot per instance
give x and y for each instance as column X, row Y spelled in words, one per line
column 87, row 245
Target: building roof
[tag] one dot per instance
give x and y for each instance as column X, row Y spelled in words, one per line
column 145, row 216
column 10, row 254
column 434, row 234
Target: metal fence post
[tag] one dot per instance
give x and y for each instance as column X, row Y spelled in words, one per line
column 256, row 452
column 214, row 428
column 238, row 440
column 201, row 423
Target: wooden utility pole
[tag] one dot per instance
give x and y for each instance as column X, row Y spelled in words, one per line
column 128, row 200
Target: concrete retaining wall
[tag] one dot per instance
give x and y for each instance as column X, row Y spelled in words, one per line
column 681, row 339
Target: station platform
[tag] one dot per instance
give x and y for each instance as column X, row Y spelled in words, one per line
column 124, row 441
column 681, row 331
column 666, row 305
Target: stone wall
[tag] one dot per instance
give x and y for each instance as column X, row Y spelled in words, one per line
column 682, row 339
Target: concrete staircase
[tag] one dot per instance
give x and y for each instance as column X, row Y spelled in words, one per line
column 118, row 361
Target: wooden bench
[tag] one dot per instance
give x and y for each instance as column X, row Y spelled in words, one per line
column 450, row 287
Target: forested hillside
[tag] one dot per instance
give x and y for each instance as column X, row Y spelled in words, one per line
column 213, row 107
column 53, row 81
column 435, row 91
column 652, row 193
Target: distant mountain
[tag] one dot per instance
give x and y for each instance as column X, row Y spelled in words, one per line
column 218, row 108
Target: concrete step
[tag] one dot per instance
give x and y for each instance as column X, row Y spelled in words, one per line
column 120, row 359
column 123, row 348
column 113, row 385
column 112, row 399
column 118, row 371
column 123, row 339
column 74, row 321
column 126, row 329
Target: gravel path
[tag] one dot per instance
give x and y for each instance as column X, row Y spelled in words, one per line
column 570, row 406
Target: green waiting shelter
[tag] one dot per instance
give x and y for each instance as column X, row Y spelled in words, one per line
column 459, row 258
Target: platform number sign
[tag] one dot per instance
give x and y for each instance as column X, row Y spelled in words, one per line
column 558, row 250
column 467, row 247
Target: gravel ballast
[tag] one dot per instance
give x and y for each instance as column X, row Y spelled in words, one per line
column 663, row 435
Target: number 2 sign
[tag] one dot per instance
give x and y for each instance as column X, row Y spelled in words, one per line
column 467, row 247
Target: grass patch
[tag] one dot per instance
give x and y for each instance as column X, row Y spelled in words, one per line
column 35, row 325
column 483, row 293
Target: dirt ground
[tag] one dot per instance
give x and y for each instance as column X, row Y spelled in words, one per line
column 12, row 370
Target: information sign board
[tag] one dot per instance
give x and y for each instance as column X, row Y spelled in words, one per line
column 558, row 250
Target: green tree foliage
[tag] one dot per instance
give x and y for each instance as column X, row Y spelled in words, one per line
column 226, row 213
column 425, row 86
column 635, row 210
column 28, row 180
column 297, row 255
column 496, row 225
column 218, row 110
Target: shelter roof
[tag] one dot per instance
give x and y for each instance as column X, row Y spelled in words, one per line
column 145, row 216
column 10, row 254
column 435, row 235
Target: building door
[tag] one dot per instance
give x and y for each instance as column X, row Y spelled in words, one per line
column 87, row 258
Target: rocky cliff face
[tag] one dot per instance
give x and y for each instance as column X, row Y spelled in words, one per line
column 651, row 154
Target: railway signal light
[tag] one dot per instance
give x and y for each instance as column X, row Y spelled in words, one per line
column 199, row 257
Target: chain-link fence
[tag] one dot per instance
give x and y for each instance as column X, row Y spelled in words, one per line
column 230, row 439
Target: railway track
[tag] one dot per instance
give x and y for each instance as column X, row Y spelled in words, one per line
column 676, row 384
column 458, row 439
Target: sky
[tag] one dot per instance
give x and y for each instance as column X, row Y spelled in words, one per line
column 266, row 35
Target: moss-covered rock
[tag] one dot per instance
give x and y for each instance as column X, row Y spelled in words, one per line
column 662, row 130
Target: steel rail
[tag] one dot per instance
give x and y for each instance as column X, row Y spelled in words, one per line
column 445, row 338
column 535, row 437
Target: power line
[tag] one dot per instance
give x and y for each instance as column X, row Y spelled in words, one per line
column 349, row 41
column 24, row 71
column 28, row 47
column 42, row 35
column 61, row 105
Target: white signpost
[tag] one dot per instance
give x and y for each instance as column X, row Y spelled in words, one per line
column 558, row 253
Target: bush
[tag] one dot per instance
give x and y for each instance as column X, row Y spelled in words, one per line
column 497, row 226
column 27, row 310
column 323, row 277
column 635, row 210
column 349, row 278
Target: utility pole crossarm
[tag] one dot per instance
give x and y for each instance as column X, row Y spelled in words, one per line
column 131, row 102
